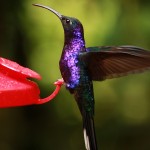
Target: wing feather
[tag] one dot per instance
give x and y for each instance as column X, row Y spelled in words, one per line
column 111, row 62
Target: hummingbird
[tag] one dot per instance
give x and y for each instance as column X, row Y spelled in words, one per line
column 80, row 66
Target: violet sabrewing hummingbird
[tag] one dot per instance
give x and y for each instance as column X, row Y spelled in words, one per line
column 80, row 65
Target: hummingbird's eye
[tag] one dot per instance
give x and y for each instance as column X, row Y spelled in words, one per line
column 67, row 21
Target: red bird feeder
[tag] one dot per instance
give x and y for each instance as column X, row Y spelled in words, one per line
column 16, row 89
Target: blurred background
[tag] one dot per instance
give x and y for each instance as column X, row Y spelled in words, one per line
column 34, row 38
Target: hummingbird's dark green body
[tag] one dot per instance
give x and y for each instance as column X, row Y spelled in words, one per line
column 80, row 66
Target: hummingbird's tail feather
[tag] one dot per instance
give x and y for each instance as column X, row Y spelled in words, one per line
column 89, row 132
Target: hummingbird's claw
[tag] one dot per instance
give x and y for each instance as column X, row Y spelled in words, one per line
column 59, row 82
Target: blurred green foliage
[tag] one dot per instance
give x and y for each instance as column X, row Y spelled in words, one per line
column 34, row 38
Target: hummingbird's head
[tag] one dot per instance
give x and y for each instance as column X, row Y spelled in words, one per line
column 71, row 25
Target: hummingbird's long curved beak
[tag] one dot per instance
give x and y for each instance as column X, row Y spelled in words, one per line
column 52, row 10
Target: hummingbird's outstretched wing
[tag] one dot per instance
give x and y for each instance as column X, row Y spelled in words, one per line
column 110, row 62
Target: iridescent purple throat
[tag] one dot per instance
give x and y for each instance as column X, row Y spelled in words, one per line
column 69, row 63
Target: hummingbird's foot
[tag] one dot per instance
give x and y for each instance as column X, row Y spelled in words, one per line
column 59, row 82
